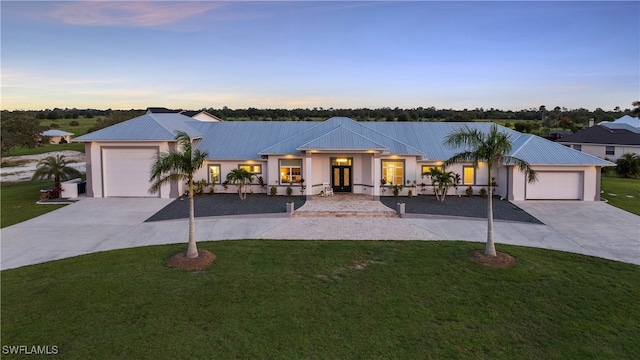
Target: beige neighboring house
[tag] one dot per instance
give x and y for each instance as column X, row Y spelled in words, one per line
column 358, row 157
column 607, row 140
column 55, row 136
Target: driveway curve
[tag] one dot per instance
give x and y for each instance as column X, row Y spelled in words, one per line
column 95, row 224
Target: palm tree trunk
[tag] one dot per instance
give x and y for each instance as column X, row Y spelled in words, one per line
column 57, row 186
column 490, row 249
column 192, row 249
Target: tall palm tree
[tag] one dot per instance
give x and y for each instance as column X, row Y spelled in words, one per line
column 179, row 165
column 493, row 148
column 56, row 167
column 242, row 178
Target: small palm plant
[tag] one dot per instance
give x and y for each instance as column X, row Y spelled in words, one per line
column 56, row 167
column 242, row 179
column 628, row 166
column 179, row 165
column 442, row 181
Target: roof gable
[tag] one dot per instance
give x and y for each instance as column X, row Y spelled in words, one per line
column 148, row 127
column 292, row 144
column 341, row 138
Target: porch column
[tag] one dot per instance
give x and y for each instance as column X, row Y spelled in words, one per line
column 377, row 169
column 308, row 177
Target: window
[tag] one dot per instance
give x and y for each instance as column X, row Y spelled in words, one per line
column 578, row 147
column 610, row 150
column 214, row 174
column 290, row 171
column 468, row 175
column 393, row 172
column 254, row 169
column 427, row 168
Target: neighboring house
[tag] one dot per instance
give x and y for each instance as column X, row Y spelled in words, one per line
column 201, row 115
column 629, row 120
column 607, row 140
column 55, row 136
column 198, row 115
column 353, row 157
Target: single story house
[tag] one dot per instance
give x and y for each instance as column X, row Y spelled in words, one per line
column 607, row 140
column 55, row 136
column 350, row 156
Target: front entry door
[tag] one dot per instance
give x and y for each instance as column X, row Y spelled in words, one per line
column 341, row 178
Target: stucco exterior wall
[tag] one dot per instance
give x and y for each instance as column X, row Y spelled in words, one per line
column 601, row 150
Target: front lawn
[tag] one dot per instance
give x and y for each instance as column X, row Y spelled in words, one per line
column 326, row 300
column 18, row 201
column 622, row 193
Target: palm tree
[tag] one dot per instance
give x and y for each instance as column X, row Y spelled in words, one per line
column 240, row 177
column 179, row 165
column 56, row 167
column 628, row 165
column 442, row 181
column 493, row 148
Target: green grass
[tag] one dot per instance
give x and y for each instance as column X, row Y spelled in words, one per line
column 622, row 188
column 18, row 202
column 84, row 124
column 326, row 300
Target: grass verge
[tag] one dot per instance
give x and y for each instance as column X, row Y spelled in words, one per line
column 623, row 189
column 18, row 202
column 326, row 300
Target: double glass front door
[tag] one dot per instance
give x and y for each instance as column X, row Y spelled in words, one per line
column 341, row 178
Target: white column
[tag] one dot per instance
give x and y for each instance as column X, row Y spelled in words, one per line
column 377, row 175
column 308, row 176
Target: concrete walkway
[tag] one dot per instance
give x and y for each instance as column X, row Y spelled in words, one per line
column 93, row 225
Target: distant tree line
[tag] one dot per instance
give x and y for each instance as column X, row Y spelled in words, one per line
column 557, row 115
column 22, row 128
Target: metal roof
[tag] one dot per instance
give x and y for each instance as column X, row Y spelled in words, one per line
column 247, row 140
column 290, row 145
column 55, row 133
column 148, row 127
column 538, row 151
column 342, row 138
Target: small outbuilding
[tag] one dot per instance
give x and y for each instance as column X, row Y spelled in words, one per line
column 57, row 136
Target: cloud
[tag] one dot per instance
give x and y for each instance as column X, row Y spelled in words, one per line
column 136, row 13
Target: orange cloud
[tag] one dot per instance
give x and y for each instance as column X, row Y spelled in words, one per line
column 136, row 13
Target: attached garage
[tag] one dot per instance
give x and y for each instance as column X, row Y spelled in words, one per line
column 556, row 185
column 125, row 171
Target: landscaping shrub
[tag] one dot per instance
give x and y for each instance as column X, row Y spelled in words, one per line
column 469, row 191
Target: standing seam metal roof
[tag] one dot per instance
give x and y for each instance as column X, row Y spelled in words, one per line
column 239, row 140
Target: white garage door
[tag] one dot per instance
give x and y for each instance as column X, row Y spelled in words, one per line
column 556, row 185
column 125, row 171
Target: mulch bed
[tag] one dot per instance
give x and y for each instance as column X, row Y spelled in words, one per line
column 473, row 207
column 226, row 205
column 501, row 260
column 180, row 261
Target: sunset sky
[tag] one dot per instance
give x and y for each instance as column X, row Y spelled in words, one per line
column 193, row 55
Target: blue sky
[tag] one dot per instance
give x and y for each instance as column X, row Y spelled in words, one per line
column 193, row 55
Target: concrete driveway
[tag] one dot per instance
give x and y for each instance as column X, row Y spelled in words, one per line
column 93, row 225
